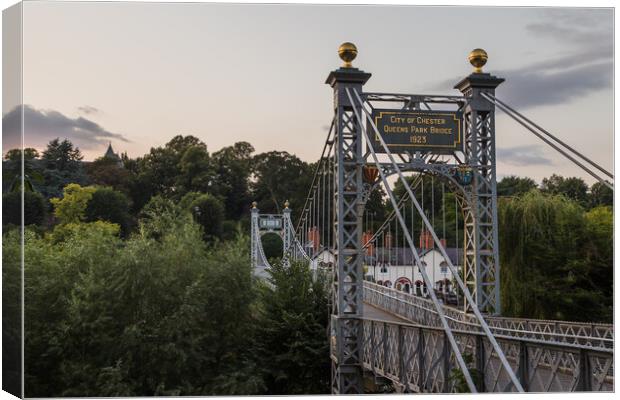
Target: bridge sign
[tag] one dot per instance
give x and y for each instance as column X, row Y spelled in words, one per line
column 403, row 130
column 270, row 222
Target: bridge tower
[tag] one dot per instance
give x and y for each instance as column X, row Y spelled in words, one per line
column 346, row 323
column 269, row 223
column 481, row 249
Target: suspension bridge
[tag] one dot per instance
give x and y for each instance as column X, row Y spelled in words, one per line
column 411, row 334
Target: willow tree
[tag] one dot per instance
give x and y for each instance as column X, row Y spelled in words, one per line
column 545, row 253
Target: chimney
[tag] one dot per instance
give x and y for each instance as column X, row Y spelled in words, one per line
column 370, row 249
column 314, row 237
column 443, row 243
column 426, row 240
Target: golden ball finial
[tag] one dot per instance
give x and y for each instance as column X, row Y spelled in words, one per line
column 286, row 204
column 347, row 52
column 477, row 58
column 254, row 204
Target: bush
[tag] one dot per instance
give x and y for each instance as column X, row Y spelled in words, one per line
column 272, row 245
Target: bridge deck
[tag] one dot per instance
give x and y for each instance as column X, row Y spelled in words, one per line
column 373, row 312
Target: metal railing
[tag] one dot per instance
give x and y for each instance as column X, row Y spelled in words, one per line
column 420, row 310
column 418, row 358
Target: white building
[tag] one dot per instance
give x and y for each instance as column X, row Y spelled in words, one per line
column 324, row 259
column 395, row 267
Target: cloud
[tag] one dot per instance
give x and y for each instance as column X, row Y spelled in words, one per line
column 41, row 126
column 530, row 88
column 521, row 156
column 567, row 75
column 582, row 27
column 88, row 110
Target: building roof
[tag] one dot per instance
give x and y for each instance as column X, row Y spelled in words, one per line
column 404, row 255
column 110, row 153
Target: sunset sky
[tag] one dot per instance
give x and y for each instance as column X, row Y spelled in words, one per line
column 136, row 74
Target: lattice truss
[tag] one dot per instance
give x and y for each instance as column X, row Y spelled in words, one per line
column 481, row 255
column 545, row 358
column 348, row 277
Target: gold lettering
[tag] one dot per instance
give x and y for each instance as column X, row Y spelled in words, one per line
column 441, row 131
column 417, row 139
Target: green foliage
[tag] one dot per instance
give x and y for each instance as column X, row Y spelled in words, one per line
column 12, row 169
column 34, row 208
column 272, row 245
column 72, row 207
column 107, row 204
column 293, row 346
column 573, row 188
column 545, row 245
column 514, row 185
column 105, row 171
column 601, row 195
column 164, row 171
column 11, row 311
column 280, row 176
column 232, row 170
column 208, row 211
column 61, row 155
column 154, row 316
column 457, row 377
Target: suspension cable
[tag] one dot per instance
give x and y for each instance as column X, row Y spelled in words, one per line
column 547, row 141
column 566, row 146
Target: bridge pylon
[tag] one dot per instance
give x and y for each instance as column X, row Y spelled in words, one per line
column 481, row 249
column 347, row 305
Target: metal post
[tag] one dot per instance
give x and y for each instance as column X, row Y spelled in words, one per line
column 446, row 363
column 481, row 253
column 402, row 376
column 348, row 277
column 253, row 239
column 385, row 344
column 480, row 356
column 524, row 366
column 584, row 383
column 287, row 235
column 421, row 366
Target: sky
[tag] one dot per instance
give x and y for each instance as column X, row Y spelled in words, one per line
column 137, row 74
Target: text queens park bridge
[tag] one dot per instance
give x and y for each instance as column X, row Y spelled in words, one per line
column 414, row 343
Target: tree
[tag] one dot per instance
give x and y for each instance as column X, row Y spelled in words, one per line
column 196, row 171
column 72, row 207
column 599, row 255
column 272, row 245
column 232, row 171
column 34, row 208
column 12, row 170
column 514, row 185
column 161, row 169
column 106, row 172
column 208, row 212
column 292, row 339
column 62, row 156
column 280, row 176
column 601, row 195
column 107, row 204
column 544, row 249
column 573, row 188
column 62, row 166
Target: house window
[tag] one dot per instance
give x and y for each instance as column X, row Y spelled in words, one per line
column 443, row 267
